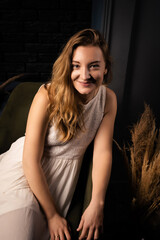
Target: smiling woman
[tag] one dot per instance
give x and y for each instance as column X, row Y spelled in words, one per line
column 40, row 171
column 67, row 97
column 88, row 70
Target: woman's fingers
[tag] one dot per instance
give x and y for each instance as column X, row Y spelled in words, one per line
column 59, row 229
column 67, row 234
column 80, row 225
column 90, row 233
column 96, row 234
column 61, row 236
column 84, row 233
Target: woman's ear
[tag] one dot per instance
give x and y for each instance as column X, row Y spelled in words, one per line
column 105, row 72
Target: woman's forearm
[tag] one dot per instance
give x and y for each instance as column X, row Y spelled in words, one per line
column 100, row 176
column 39, row 187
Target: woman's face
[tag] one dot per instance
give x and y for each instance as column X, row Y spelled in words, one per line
column 88, row 69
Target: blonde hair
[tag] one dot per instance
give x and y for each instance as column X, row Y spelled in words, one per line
column 65, row 108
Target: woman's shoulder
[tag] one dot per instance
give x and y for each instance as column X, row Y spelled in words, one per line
column 42, row 95
column 38, row 113
column 111, row 99
column 110, row 93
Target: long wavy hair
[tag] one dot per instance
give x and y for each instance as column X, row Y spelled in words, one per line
column 65, row 107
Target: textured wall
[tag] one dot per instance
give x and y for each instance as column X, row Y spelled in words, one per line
column 32, row 33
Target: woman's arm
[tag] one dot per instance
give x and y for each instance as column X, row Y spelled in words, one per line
column 92, row 220
column 37, row 124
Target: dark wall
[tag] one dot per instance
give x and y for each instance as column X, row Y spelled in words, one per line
column 143, row 77
column 32, row 32
column 133, row 36
column 134, row 41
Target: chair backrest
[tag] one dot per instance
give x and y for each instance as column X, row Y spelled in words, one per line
column 14, row 116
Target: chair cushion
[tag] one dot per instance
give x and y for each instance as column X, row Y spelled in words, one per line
column 14, row 116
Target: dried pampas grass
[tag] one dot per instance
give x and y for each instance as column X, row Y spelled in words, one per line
column 143, row 157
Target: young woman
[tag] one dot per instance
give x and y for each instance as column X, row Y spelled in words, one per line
column 38, row 174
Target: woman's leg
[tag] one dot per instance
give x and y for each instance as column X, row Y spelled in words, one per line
column 23, row 224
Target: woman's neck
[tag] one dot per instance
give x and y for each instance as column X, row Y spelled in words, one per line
column 86, row 98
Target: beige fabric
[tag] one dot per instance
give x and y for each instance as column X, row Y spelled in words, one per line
column 23, row 224
column 61, row 163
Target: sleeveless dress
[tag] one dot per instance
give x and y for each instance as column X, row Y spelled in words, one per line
column 20, row 214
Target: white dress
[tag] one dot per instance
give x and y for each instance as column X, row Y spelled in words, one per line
column 20, row 214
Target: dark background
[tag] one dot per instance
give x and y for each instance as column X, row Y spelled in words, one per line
column 33, row 32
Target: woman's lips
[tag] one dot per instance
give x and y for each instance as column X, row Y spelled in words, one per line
column 85, row 83
column 88, row 82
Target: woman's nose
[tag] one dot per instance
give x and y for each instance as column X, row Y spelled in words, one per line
column 85, row 73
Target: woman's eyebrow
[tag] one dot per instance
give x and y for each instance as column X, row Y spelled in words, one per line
column 95, row 62
column 75, row 61
column 89, row 63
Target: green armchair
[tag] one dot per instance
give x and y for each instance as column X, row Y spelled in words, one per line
column 12, row 126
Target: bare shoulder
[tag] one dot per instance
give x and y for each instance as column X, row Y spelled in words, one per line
column 41, row 96
column 39, row 104
column 38, row 114
column 111, row 100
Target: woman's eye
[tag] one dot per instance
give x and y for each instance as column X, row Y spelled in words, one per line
column 75, row 66
column 94, row 66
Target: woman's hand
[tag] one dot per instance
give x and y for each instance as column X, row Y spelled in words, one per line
column 58, row 228
column 91, row 224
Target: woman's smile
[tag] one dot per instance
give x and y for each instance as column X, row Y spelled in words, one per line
column 88, row 82
column 88, row 69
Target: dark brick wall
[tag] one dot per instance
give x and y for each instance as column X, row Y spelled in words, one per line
column 32, row 33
